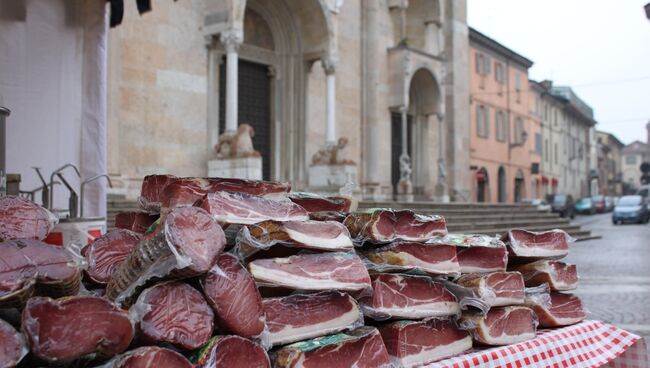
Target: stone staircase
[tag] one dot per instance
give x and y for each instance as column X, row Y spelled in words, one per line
column 461, row 217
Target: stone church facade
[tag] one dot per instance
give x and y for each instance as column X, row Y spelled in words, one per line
column 389, row 76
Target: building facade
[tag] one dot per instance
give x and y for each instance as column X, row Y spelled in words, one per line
column 504, row 123
column 609, row 164
column 632, row 156
column 388, row 76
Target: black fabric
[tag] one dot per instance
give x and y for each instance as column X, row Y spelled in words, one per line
column 143, row 6
column 117, row 12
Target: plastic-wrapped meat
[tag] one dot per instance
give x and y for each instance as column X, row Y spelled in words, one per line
column 65, row 329
column 187, row 244
column 478, row 253
column 107, row 252
column 31, row 266
column 300, row 317
column 151, row 191
column 501, row 326
column 564, row 310
column 232, row 293
column 411, row 343
column 232, row 352
column 489, row 290
column 558, row 275
column 138, row 222
column 317, row 235
column 398, row 296
column 174, row 313
column 317, row 203
column 245, row 209
column 328, row 216
column 187, row 191
column 314, row 272
column 360, row 348
column 24, row 219
column 149, row 357
column 383, row 226
column 12, row 345
column 434, row 259
column 528, row 246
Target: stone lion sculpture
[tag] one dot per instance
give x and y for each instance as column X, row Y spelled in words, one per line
column 329, row 155
column 238, row 145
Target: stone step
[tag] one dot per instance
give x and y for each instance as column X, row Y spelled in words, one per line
column 498, row 217
column 512, row 224
column 434, row 205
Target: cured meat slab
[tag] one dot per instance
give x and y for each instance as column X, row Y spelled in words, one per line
column 359, row 348
column 244, row 209
column 501, row 326
column 186, row 244
column 411, row 343
column 149, row 357
column 316, row 203
column 108, row 251
column 232, row 351
column 314, row 272
column 166, row 191
column 435, row 259
column 479, row 253
column 317, row 235
column 174, row 313
column 558, row 275
column 12, row 345
column 398, row 296
column 382, row 226
column 300, row 317
column 31, row 266
column 494, row 289
column 24, row 219
column 232, row 293
column 65, row 329
column 565, row 310
column 138, row 222
column 528, row 246
column 328, row 216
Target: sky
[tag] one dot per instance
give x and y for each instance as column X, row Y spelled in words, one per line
column 600, row 48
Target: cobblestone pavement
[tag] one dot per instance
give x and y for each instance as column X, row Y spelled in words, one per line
column 615, row 273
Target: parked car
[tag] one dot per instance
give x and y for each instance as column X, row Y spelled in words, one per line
column 633, row 208
column 541, row 204
column 563, row 204
column 599, row 203
column 585, row 206
column 609, row 204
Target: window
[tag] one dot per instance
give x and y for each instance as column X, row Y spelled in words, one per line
column 546, row 150
column 519, row 130
column 500, row 122
column 556, row 152
column 518, row 87
column 538, row 143
column 483, row 64
column 498, row 73
column 482, row 121
column 630, row 160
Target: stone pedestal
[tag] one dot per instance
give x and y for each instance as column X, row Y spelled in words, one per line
column 240, row 168
column 330, row 178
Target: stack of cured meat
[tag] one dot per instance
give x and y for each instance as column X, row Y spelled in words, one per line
column 235, row 273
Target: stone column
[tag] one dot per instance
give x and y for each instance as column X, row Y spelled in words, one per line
column 231, row 40
column 329, row 65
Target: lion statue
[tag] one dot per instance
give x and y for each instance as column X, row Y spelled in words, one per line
column 329, row 155
column 237, row 145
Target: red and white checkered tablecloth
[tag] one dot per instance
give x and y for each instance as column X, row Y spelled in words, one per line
column 587, row 344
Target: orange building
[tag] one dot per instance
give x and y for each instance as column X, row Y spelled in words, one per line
column 505, row 141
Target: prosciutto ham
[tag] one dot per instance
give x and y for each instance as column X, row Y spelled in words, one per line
column 528, row 246
column 558, row 275
column 24, row 219
column 494, row 289
column 434, row 259
column 564, row 310
column 108, row 251
column 478, row 253
column 383, row 226
column 229, row 208
column 232, row 351
column 316, row 203
column 501, row 326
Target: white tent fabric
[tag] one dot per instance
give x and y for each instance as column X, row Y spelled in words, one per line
column 53, row 78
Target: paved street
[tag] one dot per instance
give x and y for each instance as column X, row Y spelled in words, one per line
column 615, row 273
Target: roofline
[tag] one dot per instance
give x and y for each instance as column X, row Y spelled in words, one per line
column 610, row 135
column 487, row 42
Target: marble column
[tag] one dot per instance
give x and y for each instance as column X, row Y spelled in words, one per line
column 329, row 65
column 231, row 40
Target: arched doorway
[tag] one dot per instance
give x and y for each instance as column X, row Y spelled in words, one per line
column 502, row 194
column 482, row 181
column 520, row 186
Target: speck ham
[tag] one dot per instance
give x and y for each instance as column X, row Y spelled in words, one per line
column 564, row 310
column 502, row 325
column 433, row 259
column 62, row 330
column 23, row 219
column 107, row 252
column 317, row 203
column 360, row 348
column 397, row 296
column 383, row 226
column 496, row 288
column 300, row 317
column 337, row 216
column 174, row 313
column 528, row 246
column 558, row 275
column 12, row 345
column 150, row 357
column 478, row 253
column 233, row 351
column 415, row 343
column 136, row 221
column 232, row 293
column 229, row 208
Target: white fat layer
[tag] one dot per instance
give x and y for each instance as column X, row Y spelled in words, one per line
column 342, row 241
column 470, row 269
column 502, row 302
column 282, row 278
column 566, row 321
column 509, row 339
column 538, row 252
column 439, row 309
column 291, row 334
column 229, row 218
column 444, row 267
column 433, row 354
